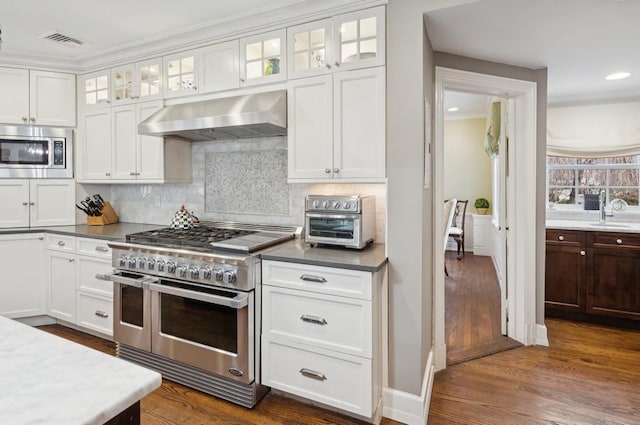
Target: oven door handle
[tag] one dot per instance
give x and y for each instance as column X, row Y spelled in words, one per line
column 129, row 281
column 336, row 216
column 238, row 302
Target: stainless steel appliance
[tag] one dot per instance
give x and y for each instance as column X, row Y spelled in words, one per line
column 185, row 304
column 341, row 220
column 35, row 152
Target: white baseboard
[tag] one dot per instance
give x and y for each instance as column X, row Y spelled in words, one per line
column 541, row 335
column 409, row 408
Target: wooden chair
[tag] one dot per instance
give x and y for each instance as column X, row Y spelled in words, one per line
column 449, row 208
column 457, row 231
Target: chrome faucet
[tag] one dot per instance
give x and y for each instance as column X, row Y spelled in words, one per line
column 602, row 200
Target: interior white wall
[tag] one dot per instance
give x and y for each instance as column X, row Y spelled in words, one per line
column 467, row 168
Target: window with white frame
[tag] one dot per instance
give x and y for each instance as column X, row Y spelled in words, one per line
column 569, row 178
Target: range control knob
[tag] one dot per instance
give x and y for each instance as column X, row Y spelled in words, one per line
column 141, row 262
column 151, row 264
column 206, row 272
column 161, row 264
column 336, row 205
column 194, row 272
column 316, row 204
column 182, row 271
column 348, row 205
column 217, row 274
column 229, row 276
column 131, row 262
column 123, row 261
column 325, row 204
column 171, row 267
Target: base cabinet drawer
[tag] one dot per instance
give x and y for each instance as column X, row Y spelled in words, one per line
column 341, row 381
column 95, row 313
column 86, row 270
column 325, row 321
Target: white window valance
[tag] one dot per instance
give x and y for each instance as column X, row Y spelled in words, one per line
column 611, row 129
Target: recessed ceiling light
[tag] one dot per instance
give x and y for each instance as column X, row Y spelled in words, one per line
column 453, row 109
column 617, row 76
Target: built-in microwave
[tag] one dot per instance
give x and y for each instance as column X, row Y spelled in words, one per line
column 35, row 152
column 340, row 220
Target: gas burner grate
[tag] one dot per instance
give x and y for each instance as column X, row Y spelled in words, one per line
column 197, row 237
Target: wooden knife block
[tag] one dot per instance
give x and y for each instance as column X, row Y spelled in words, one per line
column 107, row 216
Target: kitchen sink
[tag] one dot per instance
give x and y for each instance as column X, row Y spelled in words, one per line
column 611, row 225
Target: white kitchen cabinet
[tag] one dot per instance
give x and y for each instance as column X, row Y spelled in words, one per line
column 37, row 97
column 22, row 289
column 263, row 58
column 140, row 81
column 94, row 90
column 61, row 290
column 321, row 334
column 112, row 150
column 180, row 74
column 349, row 41
column 37, row 202
column 337, row 127
column 219, row 67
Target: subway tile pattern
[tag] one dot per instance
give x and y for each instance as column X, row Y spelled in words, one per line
column 156, row 204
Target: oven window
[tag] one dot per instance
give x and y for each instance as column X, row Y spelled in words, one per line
column 332, row 227
column 201, row 322
column 132, row 305
column 24, row 152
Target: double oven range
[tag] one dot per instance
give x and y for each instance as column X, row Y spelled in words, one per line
column 186, row 304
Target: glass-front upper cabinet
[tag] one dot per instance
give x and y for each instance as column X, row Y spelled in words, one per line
column 262, row 58
column 180, row 77
column 359, row 38
column 137, row 81
column 310, row 48
column 122, row 84
column 94, row 89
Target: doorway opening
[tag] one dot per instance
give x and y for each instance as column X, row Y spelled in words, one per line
column 475, row 158
column 518, row 233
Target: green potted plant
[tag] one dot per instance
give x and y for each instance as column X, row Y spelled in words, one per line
column 482, row 205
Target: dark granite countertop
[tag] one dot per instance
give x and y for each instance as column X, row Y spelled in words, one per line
column 370, row 259
column 116, row 231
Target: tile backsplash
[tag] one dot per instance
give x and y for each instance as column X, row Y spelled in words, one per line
column 236, row 180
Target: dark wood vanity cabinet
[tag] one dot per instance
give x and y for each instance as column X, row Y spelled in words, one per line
column 564, row 270
column 592, row 275
column 613, row 278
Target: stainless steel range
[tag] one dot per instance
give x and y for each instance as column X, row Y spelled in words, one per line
column 185, row 304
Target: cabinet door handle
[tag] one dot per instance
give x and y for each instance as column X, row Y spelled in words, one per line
column 61, row 243
column 33, row 119
column 336, row 170
column 313, row 319
column 312, row 278
column 313, row 374
column 102, row 249
column 619, row 241
column 24, row 119
column 71, row 260
column 25, row 203
column 101, row 313
column 328, row 66
column 583, row 253
column 337, row 63
column 327, row 170
column 32, row 203
column 560, row 238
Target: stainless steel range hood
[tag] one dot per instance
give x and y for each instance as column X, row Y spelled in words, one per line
column 239, row 117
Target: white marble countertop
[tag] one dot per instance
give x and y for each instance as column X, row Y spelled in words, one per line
column 45, row 379
column 611, row 226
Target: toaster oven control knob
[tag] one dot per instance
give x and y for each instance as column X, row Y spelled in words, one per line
column 195, row 272
column 132, row 262
column 151, row 264
column 161, row 264
column 182, row 271
column 206, row 272
column 171, row 267
column 217, row 274
column 141, row 262
column 229, row 276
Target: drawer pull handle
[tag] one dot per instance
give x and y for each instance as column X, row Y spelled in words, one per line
column 103, row 277
column 560, row 238
column 101, row 313
column 619, row 241
column 583, row 253
column 313, row 319
column 313, row 374
column 102, row 249
column 312, row 278
column 61, row 243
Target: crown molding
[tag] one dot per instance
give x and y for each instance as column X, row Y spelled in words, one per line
column 287, row 13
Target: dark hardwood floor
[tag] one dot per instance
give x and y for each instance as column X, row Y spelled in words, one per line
column 472, row 312
column 175, row 404
column 590, row 374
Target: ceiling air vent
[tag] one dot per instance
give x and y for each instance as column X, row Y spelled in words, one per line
column 59, row 38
